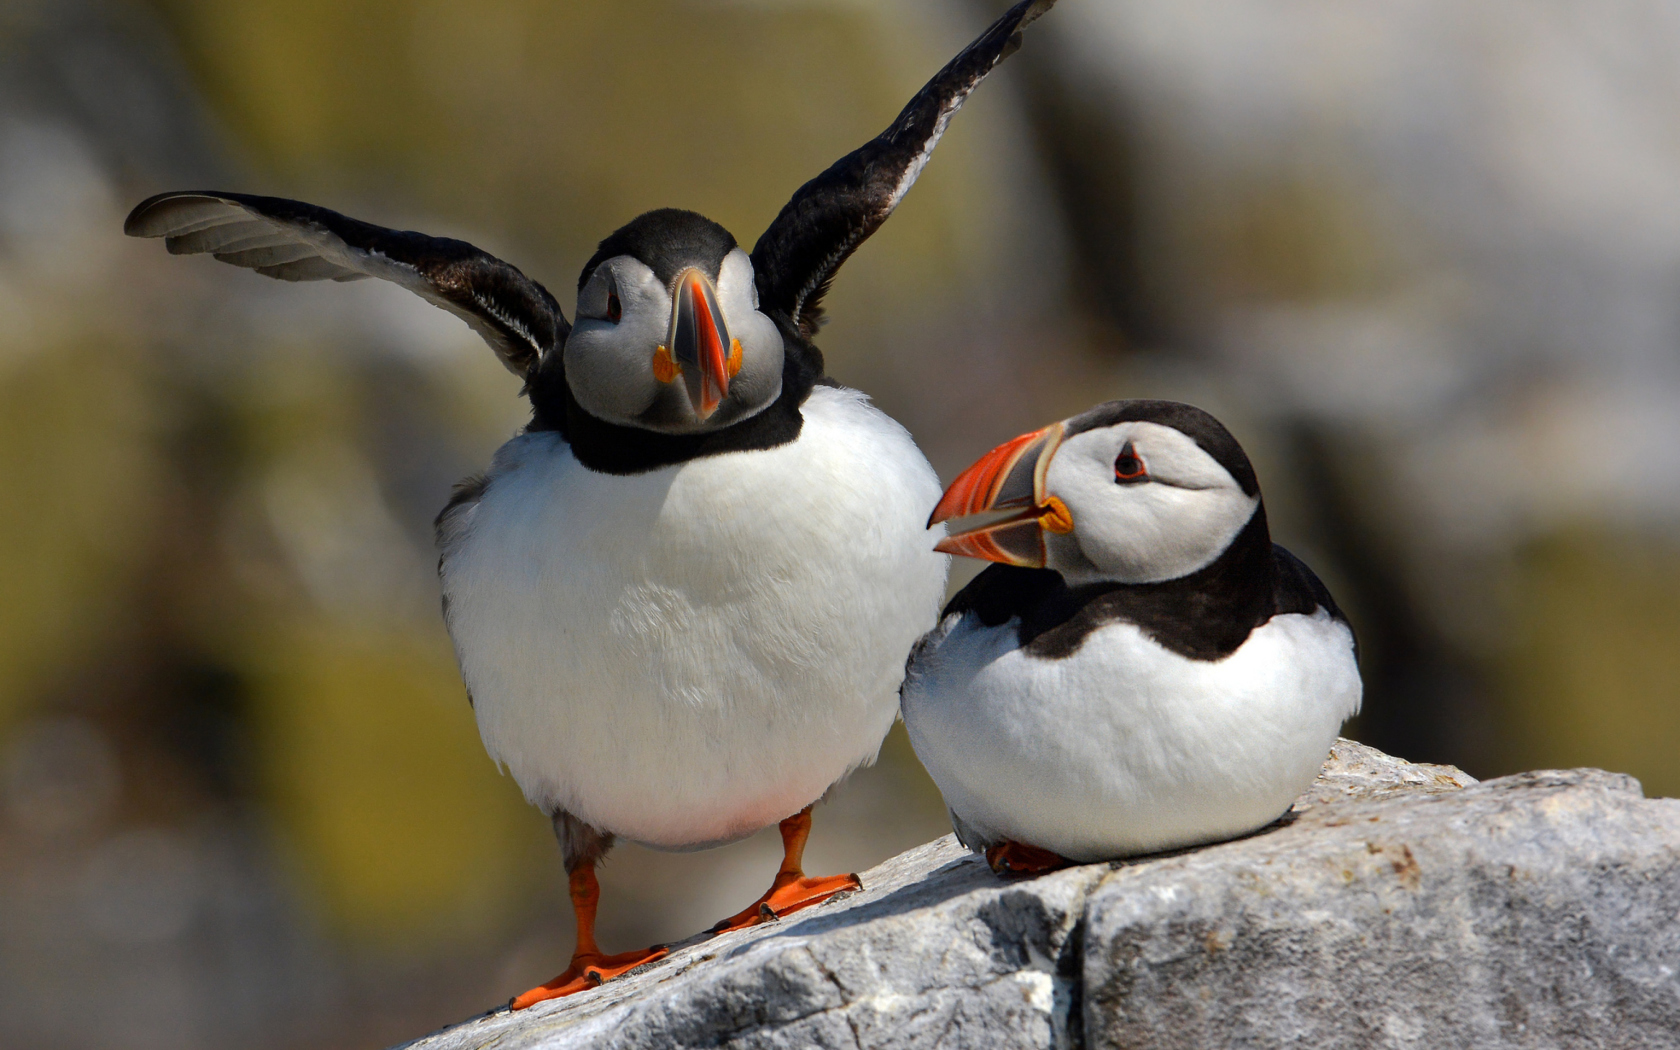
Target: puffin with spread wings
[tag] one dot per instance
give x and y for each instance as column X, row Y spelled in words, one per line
column 681, row 598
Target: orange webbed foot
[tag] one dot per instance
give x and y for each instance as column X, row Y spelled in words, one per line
column 588, row 970
column 1018, row 858
column 788, row 894
column 792, row 889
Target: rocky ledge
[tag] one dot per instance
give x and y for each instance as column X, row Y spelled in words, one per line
column 1396, row 905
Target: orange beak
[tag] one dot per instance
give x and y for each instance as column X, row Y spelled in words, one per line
column 1008, row 477
column 699, row 342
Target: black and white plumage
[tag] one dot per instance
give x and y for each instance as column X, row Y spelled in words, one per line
column 1145, row 669
column 681, row 598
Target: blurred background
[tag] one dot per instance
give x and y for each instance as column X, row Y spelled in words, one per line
column 1422, row 257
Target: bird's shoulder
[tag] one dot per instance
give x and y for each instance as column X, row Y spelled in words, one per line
column 1299, row 590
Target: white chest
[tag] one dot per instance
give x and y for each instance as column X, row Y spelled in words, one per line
column 1125, row 747
column 686, row 655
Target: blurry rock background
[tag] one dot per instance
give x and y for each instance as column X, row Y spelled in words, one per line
column 1424, row 258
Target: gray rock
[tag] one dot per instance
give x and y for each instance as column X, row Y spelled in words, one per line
column 1396, row 905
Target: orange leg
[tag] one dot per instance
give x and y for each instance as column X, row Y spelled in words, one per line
column 1018, row 858
column 589, row 967
column 791, row 890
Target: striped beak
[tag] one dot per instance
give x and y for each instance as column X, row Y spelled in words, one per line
column 1008, row 478
column 701, row 348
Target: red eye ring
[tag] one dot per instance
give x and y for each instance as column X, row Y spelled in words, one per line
column 1128, row 466
column 615, row 309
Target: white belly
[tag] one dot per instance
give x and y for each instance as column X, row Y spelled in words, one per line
column 684, row 656
column 1125, row 747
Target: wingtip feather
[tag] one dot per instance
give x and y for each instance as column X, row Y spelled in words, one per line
column 155, row 216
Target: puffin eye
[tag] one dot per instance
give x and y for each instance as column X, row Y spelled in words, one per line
column 615, row 309
column 1128, row 468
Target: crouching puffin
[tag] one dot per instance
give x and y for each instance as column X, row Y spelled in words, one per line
column 680, row 599
column 1144, row 669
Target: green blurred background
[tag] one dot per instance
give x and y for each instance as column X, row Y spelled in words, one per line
column 1422, row 259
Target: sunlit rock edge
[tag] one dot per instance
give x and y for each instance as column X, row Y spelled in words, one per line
column 1397, row 904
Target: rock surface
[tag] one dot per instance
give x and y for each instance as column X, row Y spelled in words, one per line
column 1396, row 905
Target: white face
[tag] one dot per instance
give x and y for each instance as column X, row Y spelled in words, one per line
column 610, row 364
column 1148, row 504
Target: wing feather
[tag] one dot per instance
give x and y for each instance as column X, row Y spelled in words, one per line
column 831, row 215
column 294, row 241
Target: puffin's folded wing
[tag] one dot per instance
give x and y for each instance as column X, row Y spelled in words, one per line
column 294, row 241
column 835, row 212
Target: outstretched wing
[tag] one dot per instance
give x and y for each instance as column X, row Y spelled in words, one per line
column 294, row 241
column 831, row 215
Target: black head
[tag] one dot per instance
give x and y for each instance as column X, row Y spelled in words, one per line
column 1126, row 492
column 669, row 336
column 667, row 241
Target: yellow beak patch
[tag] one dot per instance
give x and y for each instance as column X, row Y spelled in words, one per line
column 665, row 367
